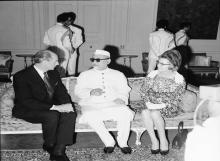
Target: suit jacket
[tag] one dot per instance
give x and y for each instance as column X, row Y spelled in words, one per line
column 31, row 93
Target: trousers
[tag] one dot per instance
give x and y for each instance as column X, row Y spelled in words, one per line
column 120, row 113
column 58, row 128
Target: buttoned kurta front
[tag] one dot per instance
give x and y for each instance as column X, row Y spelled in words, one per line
column 112, row 82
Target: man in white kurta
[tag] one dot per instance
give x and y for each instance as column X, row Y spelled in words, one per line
column 103, row 94
column 159, row 41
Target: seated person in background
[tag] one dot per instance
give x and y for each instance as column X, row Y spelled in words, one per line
column 162, row 92
column 103, row 94
column 40, row 97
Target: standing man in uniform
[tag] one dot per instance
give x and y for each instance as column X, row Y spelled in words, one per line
column 160, row 41
column 66, row 37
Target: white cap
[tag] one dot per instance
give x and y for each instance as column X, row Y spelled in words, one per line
column 102, row 52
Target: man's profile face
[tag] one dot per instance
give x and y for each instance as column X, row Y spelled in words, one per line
column 52, row 62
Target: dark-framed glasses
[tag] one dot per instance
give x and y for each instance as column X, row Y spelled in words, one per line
column 161, row 63
column 97, row 59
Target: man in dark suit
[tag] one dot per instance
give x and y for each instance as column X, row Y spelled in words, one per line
column 40, row 97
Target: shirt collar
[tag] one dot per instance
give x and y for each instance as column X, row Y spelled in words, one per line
column 40, row 72
column 101, row 71
column 58, row 23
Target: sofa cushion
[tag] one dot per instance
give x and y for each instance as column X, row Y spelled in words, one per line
column 70, row 83
column 189, row 101
column 137, row 106
column 135, row 84
column 6, row 99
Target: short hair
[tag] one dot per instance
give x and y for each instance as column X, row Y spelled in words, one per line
column 174, row 58
column 65, row 16
column 72, row 15
column 42, row 55
column 58, row 51
column 62, row 17
column 162, row 23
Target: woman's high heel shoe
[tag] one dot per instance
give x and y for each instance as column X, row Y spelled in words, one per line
column 155, row 151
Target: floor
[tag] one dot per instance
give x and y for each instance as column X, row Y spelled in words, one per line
column 83, row 140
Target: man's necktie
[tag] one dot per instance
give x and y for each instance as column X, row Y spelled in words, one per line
column 50, row 89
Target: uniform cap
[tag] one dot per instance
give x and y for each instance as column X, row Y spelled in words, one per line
column 102, row 52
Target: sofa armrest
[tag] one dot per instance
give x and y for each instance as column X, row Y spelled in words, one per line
column 9, row 64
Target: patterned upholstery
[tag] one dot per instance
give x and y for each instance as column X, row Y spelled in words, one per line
column 11, row 125
column 5, row 63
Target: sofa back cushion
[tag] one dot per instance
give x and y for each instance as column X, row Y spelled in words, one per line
column 188, row 104
column 135, row 84
column 70, row 83
column 189, row 101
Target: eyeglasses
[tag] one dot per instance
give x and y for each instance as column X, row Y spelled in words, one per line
column 97, row 59
column 158, row 62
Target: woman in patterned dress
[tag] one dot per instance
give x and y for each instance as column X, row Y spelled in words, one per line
column 162, row 93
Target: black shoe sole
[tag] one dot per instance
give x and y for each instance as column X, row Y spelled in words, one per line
column 164, row 152
column 157, row 151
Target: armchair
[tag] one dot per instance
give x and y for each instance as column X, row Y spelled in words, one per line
column 6, row 64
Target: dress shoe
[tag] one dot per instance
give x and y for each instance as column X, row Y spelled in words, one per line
column 59, row 157
column 109, row 149
column 48, row 148
column 155, row 151
column 126, row 150
column 164, row 152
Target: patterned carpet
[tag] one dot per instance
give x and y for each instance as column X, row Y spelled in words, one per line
column 93, row 154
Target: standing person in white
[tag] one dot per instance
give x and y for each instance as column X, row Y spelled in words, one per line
column 73, row 39
column 103, row 94
column 160, row 41
column 66, row 37
column 181, row 36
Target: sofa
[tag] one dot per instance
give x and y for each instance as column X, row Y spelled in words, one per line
column 11, row 125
